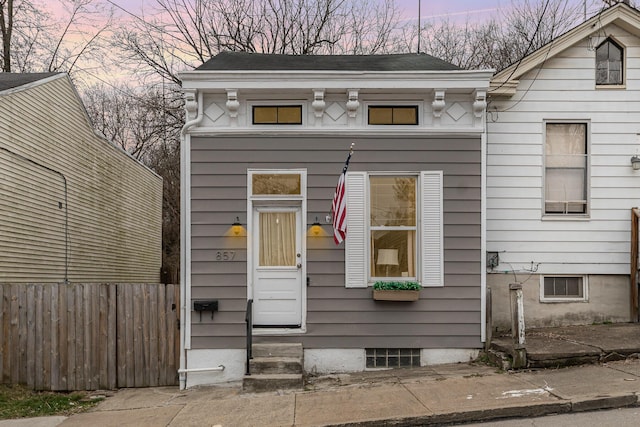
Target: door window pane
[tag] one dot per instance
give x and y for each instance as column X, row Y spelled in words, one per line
column 277, row 239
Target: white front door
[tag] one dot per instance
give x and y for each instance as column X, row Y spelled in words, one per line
column 277, row 267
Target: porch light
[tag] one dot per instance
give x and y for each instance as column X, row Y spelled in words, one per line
column 316, row 228
column 236, row 227
column 635, row 163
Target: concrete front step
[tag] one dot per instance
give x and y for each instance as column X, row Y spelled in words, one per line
column 271, row 382
column 276, row 365
column 277, row 350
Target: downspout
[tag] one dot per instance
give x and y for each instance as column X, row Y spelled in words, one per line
column 483, row 224
column 191, row 106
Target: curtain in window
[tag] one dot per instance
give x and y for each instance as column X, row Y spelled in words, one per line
column 566, row 166
column 277, row 239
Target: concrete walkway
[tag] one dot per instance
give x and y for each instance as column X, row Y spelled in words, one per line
column 575, row 345
column 423, row 396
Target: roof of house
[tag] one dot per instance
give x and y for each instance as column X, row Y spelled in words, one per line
column 13, row 80
column 621, row 14
column 229, row 61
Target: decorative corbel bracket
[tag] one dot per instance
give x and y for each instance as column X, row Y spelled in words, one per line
column 233, row 105
column 318, row 103
column 190, row 104
column 352, row 103
column 480, row 103
column 438, row 103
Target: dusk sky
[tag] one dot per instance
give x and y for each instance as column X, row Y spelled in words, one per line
column 430, row 9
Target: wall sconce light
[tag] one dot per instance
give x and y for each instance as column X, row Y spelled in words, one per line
column 635, row 163
column 236, row 227
column 316, row 228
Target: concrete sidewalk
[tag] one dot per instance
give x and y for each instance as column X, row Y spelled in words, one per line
column 423, row 396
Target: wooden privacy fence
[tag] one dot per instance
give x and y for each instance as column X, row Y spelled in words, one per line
column 89, row 336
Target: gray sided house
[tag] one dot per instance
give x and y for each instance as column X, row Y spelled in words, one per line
column 73, row 206
column 265, row 141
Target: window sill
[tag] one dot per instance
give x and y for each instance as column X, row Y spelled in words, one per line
column 565, row 218
column 562, row 300
column 612, row 87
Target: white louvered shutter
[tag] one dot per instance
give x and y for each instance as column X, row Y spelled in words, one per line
column 432, row 229
column 355, row 253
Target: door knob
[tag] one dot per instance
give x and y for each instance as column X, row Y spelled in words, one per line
column 299, row 266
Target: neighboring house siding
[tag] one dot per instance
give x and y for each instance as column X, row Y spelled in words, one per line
column 337, row 317
column 563, row 89
column 114, row 203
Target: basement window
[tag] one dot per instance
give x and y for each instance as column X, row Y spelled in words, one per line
column 563, row 288
column 393, row 358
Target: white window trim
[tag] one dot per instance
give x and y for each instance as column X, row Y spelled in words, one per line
column 554, row 216
column 585, row 290
column 277, row 103
column 429, row 240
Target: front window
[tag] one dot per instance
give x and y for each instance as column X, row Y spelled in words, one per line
column 609, row 63
column 393, row 226
column 566, row 169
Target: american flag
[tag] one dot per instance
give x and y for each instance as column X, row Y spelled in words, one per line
column 339, row 205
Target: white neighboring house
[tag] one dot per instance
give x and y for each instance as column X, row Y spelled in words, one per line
column 563, row 125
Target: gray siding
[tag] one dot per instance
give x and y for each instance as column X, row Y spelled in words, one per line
column 114, row 203
column 337, row 317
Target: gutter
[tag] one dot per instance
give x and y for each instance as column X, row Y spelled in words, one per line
column 185, row 231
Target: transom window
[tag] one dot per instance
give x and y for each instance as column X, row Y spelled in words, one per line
column 609, row 57
column 566, row 169
column 275, row 184
column 563, row 288
column 393, row 115
column 393, row 226
column 277, row 114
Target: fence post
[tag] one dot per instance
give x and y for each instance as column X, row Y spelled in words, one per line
column 517, row 325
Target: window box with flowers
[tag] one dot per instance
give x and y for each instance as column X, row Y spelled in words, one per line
column 396, row 291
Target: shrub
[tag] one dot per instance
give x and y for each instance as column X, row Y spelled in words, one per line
column 396, row 286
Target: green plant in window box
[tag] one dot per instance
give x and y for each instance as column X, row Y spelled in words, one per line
column 396, row 291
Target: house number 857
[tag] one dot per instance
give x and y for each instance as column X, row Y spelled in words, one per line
column 225, row 255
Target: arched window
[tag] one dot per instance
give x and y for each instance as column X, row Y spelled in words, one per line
column 609, row 63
